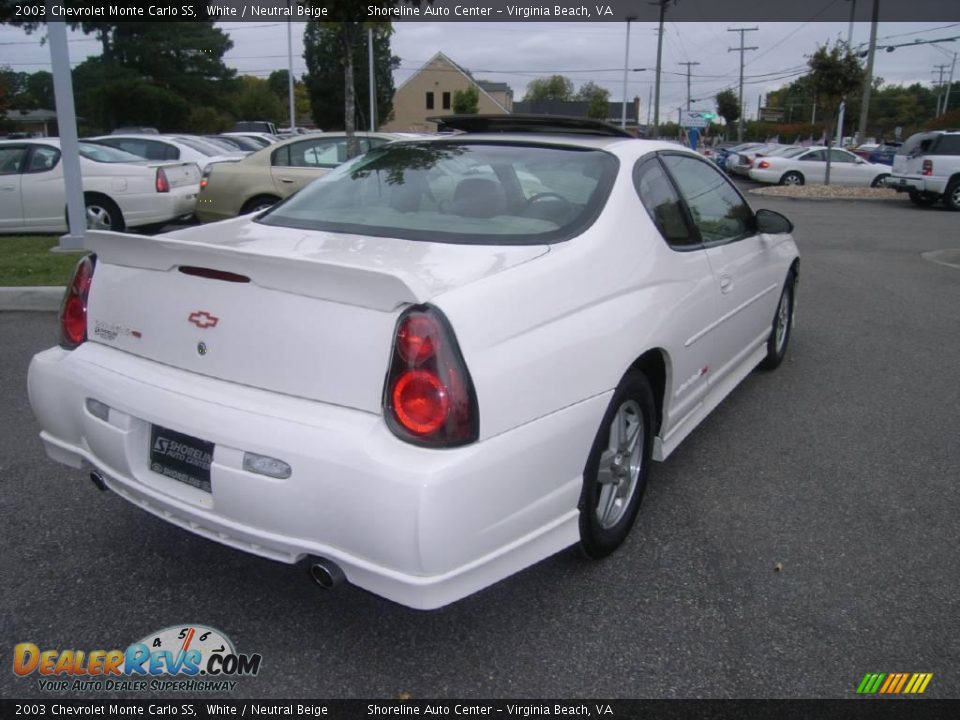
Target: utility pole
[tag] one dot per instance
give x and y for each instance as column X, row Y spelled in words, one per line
column 946, row 98
column 656, row 99
column 868, row 75
column 371, row 81
column 741, row 49
column 843, row 103
column 649, row 108
column 293, row 118
column 941, row 69
column 626, row 66
column 688, row 64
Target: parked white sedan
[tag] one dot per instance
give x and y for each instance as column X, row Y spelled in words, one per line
column 809, row 165
column 422, row 386
column 119, row 190
column 171, row 147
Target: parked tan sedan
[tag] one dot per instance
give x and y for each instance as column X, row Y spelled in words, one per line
column 274, row 173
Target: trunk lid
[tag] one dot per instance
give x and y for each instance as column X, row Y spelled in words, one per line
column 305, row 313
column 179, row 173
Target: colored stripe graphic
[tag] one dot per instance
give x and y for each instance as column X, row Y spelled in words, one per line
column 894, row 683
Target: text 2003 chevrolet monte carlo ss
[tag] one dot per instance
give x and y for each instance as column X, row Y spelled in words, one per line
column 444, row 361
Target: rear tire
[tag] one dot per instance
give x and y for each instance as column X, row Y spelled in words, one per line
column 792, row 178
column 258, row 204
column 102, row 213
column 880, row 181
column 921, row 200
column 951, row 198
column 782, row 325
column 615, row 475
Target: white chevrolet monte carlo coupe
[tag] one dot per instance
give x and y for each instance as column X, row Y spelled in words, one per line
column 419, row 373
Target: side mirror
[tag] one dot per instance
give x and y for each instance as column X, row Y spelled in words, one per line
column 773, row 223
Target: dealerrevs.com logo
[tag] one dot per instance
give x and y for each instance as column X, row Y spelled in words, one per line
column 181, row 658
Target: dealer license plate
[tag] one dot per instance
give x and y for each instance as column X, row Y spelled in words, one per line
column 180, row 457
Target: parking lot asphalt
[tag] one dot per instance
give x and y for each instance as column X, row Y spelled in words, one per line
column 841, row 467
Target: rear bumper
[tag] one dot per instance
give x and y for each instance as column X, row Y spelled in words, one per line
column 420, row 527
column 160, row 207
column 917, row 183
column 765, row 176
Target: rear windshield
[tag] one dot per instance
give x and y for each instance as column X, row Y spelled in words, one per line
column 458, row 192
column 201, row 146
column 916, row 144
column 107, row 154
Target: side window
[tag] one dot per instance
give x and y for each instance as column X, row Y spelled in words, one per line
column 160, row 151
column 662, row 203
column 947, row 145
column 281, row 157
column 43, row 159
column 325, row 153
column 815, row 156
column 718, row 211
column 839, row 156
column 11, row 160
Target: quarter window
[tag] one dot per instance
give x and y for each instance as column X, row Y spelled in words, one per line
column 662, row 203
column 717, row 209
column 43, row 159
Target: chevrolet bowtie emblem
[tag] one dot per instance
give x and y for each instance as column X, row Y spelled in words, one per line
column 202, row 319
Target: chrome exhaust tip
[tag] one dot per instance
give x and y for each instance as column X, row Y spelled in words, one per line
column 97, row 479
column 326, row 573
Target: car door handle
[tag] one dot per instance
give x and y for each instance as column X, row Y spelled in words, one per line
column 289, row 181
column 726, row 282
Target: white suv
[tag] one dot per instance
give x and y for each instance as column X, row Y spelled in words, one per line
column 927, row 166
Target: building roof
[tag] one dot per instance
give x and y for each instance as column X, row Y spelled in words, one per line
column 574, row 108
column 492, row 87
column 30, row 116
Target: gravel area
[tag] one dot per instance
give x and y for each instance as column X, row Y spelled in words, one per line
column 829, row 192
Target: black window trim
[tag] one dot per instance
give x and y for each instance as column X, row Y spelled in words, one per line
column 751, row 231
column 654, row 157
column 26, row 156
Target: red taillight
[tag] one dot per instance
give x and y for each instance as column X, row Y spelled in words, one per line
column 429, row 397
column 163, row 184
column 763, row 165
column 927, row 167
column 73, row 311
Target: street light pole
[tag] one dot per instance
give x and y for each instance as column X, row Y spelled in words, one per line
column 656, row 92
column 868, row 75
column 626, row 66
column 843, row 104
column 293, row 117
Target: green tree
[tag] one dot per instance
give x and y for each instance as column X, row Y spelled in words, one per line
column 466, row 102
column 323, row 52
column 554, row 87
column 254, row 100
column 834, row 72
column 597, row 99
column 728, row 107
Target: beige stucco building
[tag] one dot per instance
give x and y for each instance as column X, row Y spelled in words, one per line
column 429, row 92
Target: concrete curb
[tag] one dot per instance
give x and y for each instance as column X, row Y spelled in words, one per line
column 36, row 299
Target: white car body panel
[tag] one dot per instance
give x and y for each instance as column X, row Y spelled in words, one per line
column 857, row 172
column 185, row 153
column 39, row 198
column 294, row 369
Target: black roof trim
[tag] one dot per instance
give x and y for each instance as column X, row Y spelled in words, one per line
column 546, row 124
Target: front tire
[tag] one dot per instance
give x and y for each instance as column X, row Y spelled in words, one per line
column 782, row 326
column 792, row 178
column 951, row 198
column 880, row 181
column 615, row 475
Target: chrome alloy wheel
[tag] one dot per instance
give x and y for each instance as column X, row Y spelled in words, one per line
column 98, row 218
column 783, row 321
column 620, row 464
